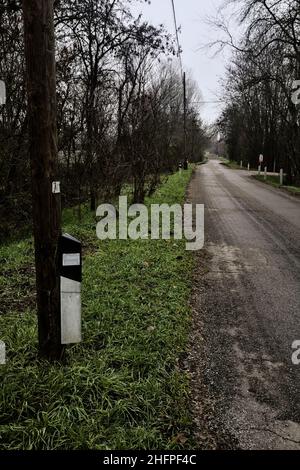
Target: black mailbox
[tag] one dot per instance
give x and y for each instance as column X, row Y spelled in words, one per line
column 70, row 264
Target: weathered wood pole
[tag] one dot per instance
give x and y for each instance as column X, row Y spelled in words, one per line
column 41, row 95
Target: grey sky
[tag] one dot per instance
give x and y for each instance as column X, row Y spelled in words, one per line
column 190, row 16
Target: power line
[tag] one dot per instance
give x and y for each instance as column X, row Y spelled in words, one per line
column 179, row 55
column 184, row 88
column 177, row 37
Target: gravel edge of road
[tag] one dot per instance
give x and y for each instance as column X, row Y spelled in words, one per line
column 208, row 432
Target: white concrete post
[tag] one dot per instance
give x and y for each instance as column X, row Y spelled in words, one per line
column 248, row 166
column 265, row 175
column 241, row 164
column 281, row 177
column 2, row 93
column 259, row 169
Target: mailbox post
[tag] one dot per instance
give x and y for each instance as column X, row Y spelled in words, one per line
column 70, row 268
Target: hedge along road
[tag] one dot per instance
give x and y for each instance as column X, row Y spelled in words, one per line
column 246, row 390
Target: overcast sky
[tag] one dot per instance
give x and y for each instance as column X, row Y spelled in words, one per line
column 191, row 16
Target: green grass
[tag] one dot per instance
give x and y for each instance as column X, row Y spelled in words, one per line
column 231, row 164
column 275, row 182
column 122, row 387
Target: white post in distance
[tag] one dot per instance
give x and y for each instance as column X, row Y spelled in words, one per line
column 70, row 289
column 248, row 166
column 2, row 93
column 241, row 164
column 281, row 177
column 265, row 173
column 261, row 159
column 2, row 353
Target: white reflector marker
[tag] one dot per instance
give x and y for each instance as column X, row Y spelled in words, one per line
column 70, row 293
column 2, row 93
column 70, row 289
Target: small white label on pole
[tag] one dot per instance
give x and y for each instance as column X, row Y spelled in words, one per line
column 56, row 187
column 71, row 259
column 2, row 353
column 2, row 93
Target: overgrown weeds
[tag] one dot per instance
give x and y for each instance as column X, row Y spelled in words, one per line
column 121, row 388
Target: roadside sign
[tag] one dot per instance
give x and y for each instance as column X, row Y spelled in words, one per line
column 261, row 158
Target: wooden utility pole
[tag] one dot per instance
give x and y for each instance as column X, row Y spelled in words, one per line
column 185, row 165
column 41, row 92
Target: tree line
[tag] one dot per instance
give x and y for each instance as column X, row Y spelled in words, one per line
column 260, row 116
column 119, row 106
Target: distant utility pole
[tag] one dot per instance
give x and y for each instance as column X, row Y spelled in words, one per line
column 184, row 123
column 41, row 91
column 185, row 164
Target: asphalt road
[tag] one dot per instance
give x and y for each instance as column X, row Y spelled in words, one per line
column 247, row 313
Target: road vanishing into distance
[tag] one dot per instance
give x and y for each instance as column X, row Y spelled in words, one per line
column 246, row 303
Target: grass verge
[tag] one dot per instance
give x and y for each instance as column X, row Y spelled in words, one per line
column 274, row 181
column 122, row 387
column 231, row 164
